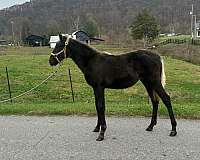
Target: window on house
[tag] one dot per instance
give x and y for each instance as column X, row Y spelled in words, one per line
column 198, row 33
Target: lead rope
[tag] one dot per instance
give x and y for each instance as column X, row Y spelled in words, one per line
column 27, row 92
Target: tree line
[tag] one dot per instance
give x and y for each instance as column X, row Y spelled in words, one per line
column 112, row 19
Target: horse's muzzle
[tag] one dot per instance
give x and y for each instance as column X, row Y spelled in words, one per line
column 53, row 61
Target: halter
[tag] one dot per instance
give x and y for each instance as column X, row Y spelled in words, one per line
column 63, row 50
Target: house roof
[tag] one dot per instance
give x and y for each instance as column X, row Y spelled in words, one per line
column 81, row 35
column 80, row 32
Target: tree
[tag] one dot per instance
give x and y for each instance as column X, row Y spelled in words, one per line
column 53, row 28
column 25, row 30
column 90, row 26
column 144, row 27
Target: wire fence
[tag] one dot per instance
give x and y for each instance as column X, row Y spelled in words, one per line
column 180, row 41
column 30, row 68
column 59, row 87
column 68, row 85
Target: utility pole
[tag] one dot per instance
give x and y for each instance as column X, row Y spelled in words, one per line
column 193, row 23
column 195, row 26
column 191, row 13
column 13, row 35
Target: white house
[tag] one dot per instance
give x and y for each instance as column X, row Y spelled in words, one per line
column 198, row 29
column 53, row 41
column 79, row 35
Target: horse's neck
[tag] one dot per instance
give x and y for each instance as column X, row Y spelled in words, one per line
column 81, row 55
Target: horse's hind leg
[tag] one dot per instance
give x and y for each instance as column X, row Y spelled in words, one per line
column 166, row 100
column 155, row 102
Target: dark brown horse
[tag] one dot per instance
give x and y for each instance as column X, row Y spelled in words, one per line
column 116, row 72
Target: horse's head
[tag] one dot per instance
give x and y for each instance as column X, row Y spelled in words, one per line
column 60, row 51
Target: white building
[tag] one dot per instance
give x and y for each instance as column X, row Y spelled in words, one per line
column 198, row 29
column 79, row 35
column 53, row 41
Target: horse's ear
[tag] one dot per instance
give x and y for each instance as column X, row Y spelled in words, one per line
column 60, row 37
column 64, row 38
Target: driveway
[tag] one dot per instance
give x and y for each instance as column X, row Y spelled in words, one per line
column 71, row 138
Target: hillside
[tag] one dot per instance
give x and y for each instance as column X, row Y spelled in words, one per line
column 46, row 17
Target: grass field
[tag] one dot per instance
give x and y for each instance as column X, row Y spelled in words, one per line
column 29, row 66
column 180, row 37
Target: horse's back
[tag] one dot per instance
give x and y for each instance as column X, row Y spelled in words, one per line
column 143, row 55
column 147, row 64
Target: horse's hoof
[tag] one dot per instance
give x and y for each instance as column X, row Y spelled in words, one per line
column 96, row 130
column 173, row 133
column 100, row 138
column 149, row 128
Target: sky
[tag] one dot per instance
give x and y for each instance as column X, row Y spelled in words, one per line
column 9, row 3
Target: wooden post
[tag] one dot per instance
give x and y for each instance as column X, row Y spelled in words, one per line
column 8, row 84
column 70, row 79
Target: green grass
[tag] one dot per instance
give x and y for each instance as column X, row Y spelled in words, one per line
column 186, row 110
column 27, row 69
column 180, row 37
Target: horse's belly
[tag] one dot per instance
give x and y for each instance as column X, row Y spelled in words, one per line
column 122, row 83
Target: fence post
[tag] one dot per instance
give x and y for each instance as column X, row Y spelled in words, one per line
column 8, row 84
column 70, row 79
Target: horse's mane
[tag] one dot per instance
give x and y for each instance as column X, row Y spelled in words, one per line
column 82, row 46
column 89, row 49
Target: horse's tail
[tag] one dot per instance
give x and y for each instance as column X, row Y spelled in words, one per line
column 163, row 77
column 163, row 80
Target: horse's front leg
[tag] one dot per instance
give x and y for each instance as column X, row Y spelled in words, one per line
column 97, row 128
column 100, row 107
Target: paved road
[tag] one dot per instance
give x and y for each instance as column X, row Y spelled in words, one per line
column 70, row 138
